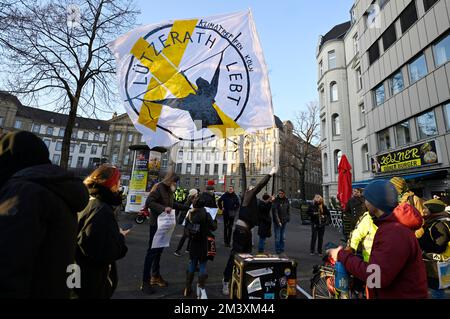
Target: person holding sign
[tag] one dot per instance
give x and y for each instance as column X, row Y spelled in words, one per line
column 160, row 200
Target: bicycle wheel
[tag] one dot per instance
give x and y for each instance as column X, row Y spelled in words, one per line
column 139, row 219
column 320, row 286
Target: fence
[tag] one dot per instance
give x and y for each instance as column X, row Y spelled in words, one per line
column 336, row 218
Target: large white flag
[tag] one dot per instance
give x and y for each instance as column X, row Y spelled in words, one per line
column 195, row 79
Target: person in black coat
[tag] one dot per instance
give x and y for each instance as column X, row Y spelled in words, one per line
column 229, row 204
column 264, row 221
column 38, row 219
column 242, row 234
column 198, row 250
column 100, row 240
column 320, row 216
column 281, row 216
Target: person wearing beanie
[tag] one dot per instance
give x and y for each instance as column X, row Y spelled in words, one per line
column 100, row 240
column 396, row 253
column 160, row 200
column 264, row 221
column 405, row 195
column 39, row 202
column 436, row 240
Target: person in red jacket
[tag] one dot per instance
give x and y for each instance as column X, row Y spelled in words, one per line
column 396, row 254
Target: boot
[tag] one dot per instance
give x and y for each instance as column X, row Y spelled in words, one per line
column 158, row 281
column 189, row 280
column 201, row 291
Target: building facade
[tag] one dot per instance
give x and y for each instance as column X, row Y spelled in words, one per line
column 397, row 108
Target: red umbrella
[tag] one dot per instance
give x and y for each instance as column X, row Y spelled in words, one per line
column 344, row 181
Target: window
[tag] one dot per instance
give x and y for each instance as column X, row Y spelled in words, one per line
column 85, row 135
column 56, row 158
column 382, row 3
column 389, row 37
column 224, row 169
column 208, row 156
column 94, row 150
column 379, row 94
column 72, row 148
column 187, row 182
column 130, row 138
column 337, row 159
column 188, row 168
column 233, row 168
column 49, row 130
column 36, row 128
column 142, row 139
column 189, row 155
column 104, row 150
column 384, row 140
column 396, row 83
column 331, row 60
column 178, row 169
column 61, row 132
column 180, row 155
column 69, row 161
column 118, row 137
column 206, row 169
column 126, row 159
column 82, row 148
column 80, row 162
column 197, row 169
column 428, row 4
column 2, row 121
column 355, row 44
column 199, row 156
column 334, row 92
column 324, row 129
column 325, row 164
column 74, row 134
column 371, row 15
column 418, row 69
column 47, row 142
column 232, row 182
column 362, row 115
column 447, row 115
column 96, row 137
column 18, row 124
column 402, row 136
column 408, row 16
column 114, row 158
column 58, row 146
column 336, row 125
column 365, row 157
column 320, row 68
column 442, row 51
column 359, row 79
column 197, row 182
column 374, row 53
column 426, row 125
column 352, row 16
column 216, row 169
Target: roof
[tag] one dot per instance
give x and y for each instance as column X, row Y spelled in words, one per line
column 278, row 123
column 337, row 32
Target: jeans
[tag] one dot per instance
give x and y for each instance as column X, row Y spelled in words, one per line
column 317, row 231
column 151, row 264
column 261, row 245
column 193, row 265
column 437, row 293
column 279, row 237
column 242, row 244
column 228, row 222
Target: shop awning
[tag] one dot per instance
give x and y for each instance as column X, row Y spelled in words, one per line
column 424, row 175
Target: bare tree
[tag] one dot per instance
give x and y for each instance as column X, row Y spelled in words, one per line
column 55, row 52
column 299, row 145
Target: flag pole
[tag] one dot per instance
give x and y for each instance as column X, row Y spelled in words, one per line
column 242, row 164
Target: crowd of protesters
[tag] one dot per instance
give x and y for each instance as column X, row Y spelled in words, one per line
column 57, row 220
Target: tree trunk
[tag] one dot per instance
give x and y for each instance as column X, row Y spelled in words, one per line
column 65, row 151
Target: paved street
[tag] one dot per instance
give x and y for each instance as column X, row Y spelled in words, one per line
column 173, row 268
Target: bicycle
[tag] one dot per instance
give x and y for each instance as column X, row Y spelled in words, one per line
column 142, row 216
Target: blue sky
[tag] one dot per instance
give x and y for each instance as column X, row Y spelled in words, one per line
column 288, row 29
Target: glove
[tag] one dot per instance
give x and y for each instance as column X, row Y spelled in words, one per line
column 273, row 171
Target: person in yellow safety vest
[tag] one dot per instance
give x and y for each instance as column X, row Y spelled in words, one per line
column 407, row 196
column 362, row 236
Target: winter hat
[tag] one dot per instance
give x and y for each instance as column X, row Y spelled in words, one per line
column 105, row 175
column 383, row 195
column 210, row 185
column 113, row 180
column 19, row 150
column 400, row 184
column 435, row 206
column 193, row 192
